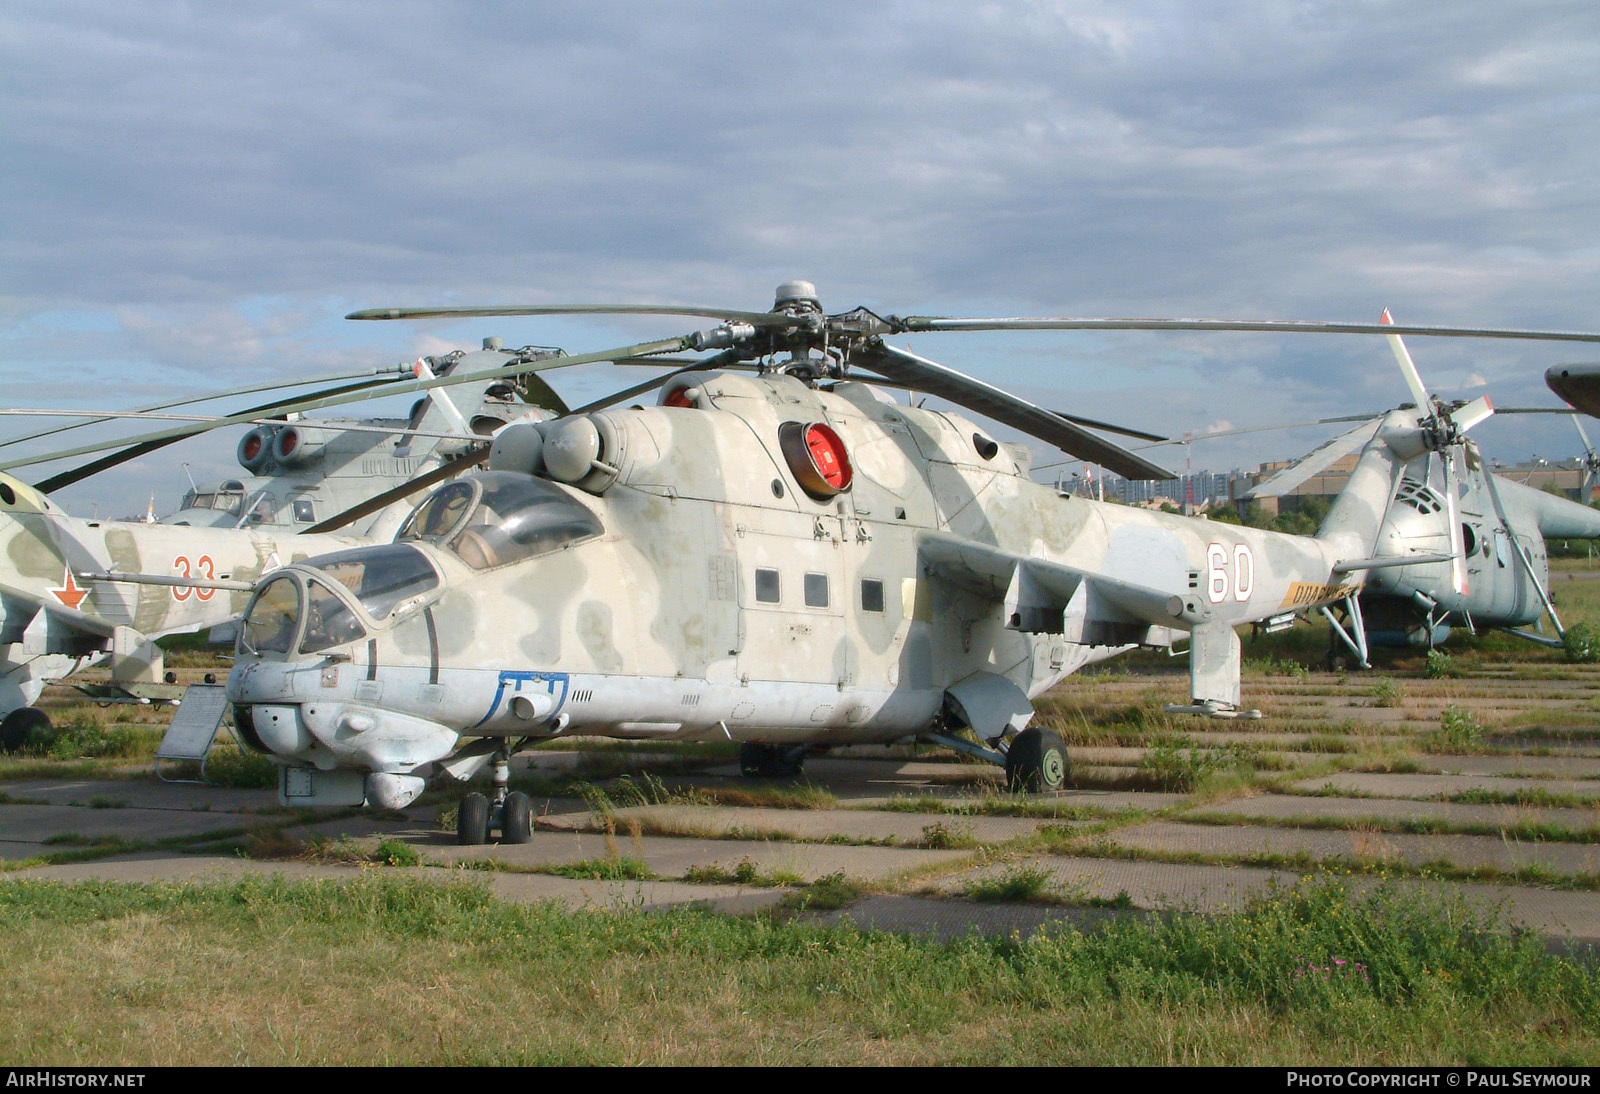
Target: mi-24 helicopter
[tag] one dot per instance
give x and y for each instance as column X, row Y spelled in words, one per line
column 787, row 558
column 79, row 592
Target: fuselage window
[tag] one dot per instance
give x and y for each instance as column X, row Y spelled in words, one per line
column 305, row 510
column 767, row 586
column 816, row 590
column 871, row 594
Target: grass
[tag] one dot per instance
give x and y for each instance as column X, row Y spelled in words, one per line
column 387, row 970
column 1529, row 830
column 744, row 872
column 608, row 868
column 649, row 788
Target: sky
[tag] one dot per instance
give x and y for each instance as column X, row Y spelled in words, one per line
column 195, row 194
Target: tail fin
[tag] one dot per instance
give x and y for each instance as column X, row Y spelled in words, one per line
column 1357, row 514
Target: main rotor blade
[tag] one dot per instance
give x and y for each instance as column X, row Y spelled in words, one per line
column 154, row 443
column 542, row 394
column 912, row 324
column 925, row 375
column 670, row 345
column 720, row 360
column 396, row 493
column 1075, row 419
column 754, row 318
column 394, row 372
column 1314, row 462
column 1458, row 546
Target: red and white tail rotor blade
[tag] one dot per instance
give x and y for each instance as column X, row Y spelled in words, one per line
column 1471, row 413
column 1407, row 368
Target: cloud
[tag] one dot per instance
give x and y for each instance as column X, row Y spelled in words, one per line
column 217, row 185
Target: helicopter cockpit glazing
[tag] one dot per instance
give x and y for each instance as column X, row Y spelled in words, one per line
column 379, row 579
column 497, row 517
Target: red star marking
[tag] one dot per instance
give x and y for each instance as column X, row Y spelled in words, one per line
column 69, row 593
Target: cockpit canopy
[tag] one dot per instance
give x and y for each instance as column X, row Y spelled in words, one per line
column 499, row 517
column 380, row 579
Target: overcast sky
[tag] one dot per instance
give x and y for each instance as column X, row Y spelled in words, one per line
column 194, row 193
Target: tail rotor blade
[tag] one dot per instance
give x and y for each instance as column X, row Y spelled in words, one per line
column 1472, row 413
column 1407, row 368
column 1458, row 546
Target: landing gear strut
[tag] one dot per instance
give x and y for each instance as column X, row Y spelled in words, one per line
column 511, row 813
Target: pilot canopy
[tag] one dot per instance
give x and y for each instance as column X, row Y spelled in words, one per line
column 499, row 517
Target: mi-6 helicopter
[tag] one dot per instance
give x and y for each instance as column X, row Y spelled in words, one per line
column 1458, row 545
column 789, row 559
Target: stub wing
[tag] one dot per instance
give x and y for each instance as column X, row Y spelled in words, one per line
column 1094, row 609
column 38, row 625
column 1043, row 597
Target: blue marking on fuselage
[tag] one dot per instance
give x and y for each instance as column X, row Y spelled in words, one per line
column 519, row 677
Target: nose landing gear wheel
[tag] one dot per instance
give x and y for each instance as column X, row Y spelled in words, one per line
column 1036, row 762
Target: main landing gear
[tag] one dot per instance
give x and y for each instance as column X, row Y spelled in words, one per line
column 21, row 724
column 511, row 812
column 758, row 761
column 1036, row 762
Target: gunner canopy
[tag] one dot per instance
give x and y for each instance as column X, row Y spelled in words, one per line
column 380, row 579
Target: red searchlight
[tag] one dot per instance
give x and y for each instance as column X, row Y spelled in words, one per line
column 817, row 457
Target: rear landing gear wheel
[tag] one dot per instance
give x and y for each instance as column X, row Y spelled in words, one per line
column 1036, row 762
column 472, row 820
column 759, row 761
column 516, row 818
column 21, row 724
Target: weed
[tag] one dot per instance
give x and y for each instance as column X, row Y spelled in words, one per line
column 1459, row 733
column 610, row 868
column 939, row 836
column 744, row 873
column 1178, row 765
column 1582, row 643
column 83, row 739
column 830, row 893
column 240, row 770
column 1272, row 665
column 1442, row 666
column 1018, row 883
column 393, row 852
column 1385, row 693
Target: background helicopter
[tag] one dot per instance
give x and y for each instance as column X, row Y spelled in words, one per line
column 1459, row 545
column 78, row 591
column 306, row 471
column 726, row 564
column 190, row 572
